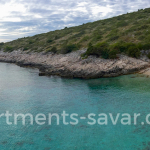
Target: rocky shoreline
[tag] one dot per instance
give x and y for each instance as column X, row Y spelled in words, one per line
column 73, row 66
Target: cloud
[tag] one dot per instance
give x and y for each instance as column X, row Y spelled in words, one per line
column 20, row 18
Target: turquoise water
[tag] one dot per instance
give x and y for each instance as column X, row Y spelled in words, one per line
column 23, row 91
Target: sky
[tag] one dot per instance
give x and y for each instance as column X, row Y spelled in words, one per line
column 22, row 18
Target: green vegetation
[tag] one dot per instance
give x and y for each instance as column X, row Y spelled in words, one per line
column 8, row 49
column 69, row 48
column 26, row 48
column 53, row 50
column 106, row 51
column 133, row 51
column 128, row 34
column 148, row 55
column 1, row 44
column 100, row 49
column 49, row 41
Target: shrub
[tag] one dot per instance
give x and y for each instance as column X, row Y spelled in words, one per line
column 97, row 37
column 57, row 37
column 36, row 49
column 1, row 44
column 147, row 38
column 80, row 34
column 122, row 24
column 90, row 49
column 147, row 10
column 123, row 47
column 146, row 46
column 117, row 46
column 138, row 33
column 140, row 17
column 140, row 46
column 147, row 21
column 83, row 54
column 69, row 48
column 141, row 37
column 49, row 41
column 113, row 38
column 100, row 49
column 113, row 35
column 148, row 55
column 25, row 48
column 143, row 46
column 133, row 51
column 132, row 29
column 54, row 50
column 31, row 42
column 85, row 38
column 143, row 27
column 106, row 51
column 8, row 49
column 113, row 54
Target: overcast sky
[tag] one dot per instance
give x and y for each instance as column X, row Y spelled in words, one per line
column 21, row 18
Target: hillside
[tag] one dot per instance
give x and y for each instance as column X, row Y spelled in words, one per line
column 130, row 28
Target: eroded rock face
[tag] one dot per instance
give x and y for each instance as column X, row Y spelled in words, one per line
column 72, row 65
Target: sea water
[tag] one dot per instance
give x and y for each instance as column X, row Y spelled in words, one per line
column 23, row 91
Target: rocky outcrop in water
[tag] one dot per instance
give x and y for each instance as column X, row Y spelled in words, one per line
column 72, row 65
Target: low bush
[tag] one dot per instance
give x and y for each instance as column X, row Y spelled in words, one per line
column 113, row 35
column 122, row 24
column 113, row 38
column 120, row 46
column 146, row 10
column 78, row 34
column 69, row 48
column 146, row 46
column 85, row 38
column 25, row 48
column 141, row 37
column 100, row 49
column 31, row 42
column 110, row 51
column 143, row 27
column 140, row 46
column 140, row 17
column 133, row 51
column 148, row 55
column 113, row 32
column 57, row 37
column 147, row 39
column 54, row 50
column 49, row 40
column 97, row 37
column 8, row 49
column 113, row 54
column 1, row 44
column 132, row 29
column 138, row 33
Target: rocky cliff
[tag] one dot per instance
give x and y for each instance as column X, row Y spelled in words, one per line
column 72, row 65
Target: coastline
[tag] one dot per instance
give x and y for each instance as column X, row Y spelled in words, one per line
column 73, row 66
column 145, row 71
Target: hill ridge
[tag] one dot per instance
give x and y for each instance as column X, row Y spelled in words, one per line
column 131, row 27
